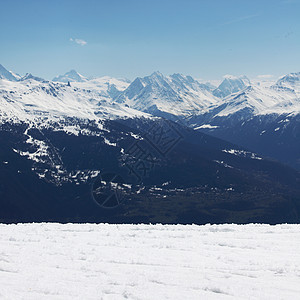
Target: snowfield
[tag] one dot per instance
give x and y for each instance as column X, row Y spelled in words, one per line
column 89, row 261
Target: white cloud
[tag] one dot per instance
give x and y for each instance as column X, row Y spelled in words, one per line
column 78, row 41
column 240, row 19
column 265, row 76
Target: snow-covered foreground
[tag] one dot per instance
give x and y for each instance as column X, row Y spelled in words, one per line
column 54, row 261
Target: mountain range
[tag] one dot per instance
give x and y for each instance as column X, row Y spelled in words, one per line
column 179, row 150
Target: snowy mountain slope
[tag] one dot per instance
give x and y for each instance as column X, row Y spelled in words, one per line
column 106, row 86
column 261, row 101
column 263, row 118
column 243, row 118
column 72, row 76
column 37, row 108
column 231, row 84
column 5, row 74
column 89, row 261
column 42, row 102
column 290, row 82
column 211, row 85
column 280, row 98
column 183, row 96
column 173, row 95
column 30, row 76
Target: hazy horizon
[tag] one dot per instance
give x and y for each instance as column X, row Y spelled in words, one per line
column 215, row 81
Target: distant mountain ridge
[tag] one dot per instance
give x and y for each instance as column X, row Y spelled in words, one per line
column 181, row 95
column 261, row 117
column 72, row 76
column 265, row 119
column 172, row 95
column 60, row 143
column 5, row 74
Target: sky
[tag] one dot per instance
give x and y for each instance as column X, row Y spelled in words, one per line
column 129, row 38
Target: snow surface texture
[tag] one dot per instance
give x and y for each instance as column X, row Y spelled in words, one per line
column 88, row 261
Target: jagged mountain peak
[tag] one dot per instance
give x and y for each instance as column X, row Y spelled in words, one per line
column 290, row 81
column 156, row 74
column 5, row 74
column 176, row 94
column 155, row 77
column 29, row 76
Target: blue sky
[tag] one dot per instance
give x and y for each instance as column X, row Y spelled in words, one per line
column 129, row 38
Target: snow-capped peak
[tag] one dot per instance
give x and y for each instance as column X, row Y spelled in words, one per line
column 261, row 100
column 71, row 76
column 5, row 74
column 231, row 84
column 157, row 74
column 176, row 95
column 29, row 76
column 289, row 81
